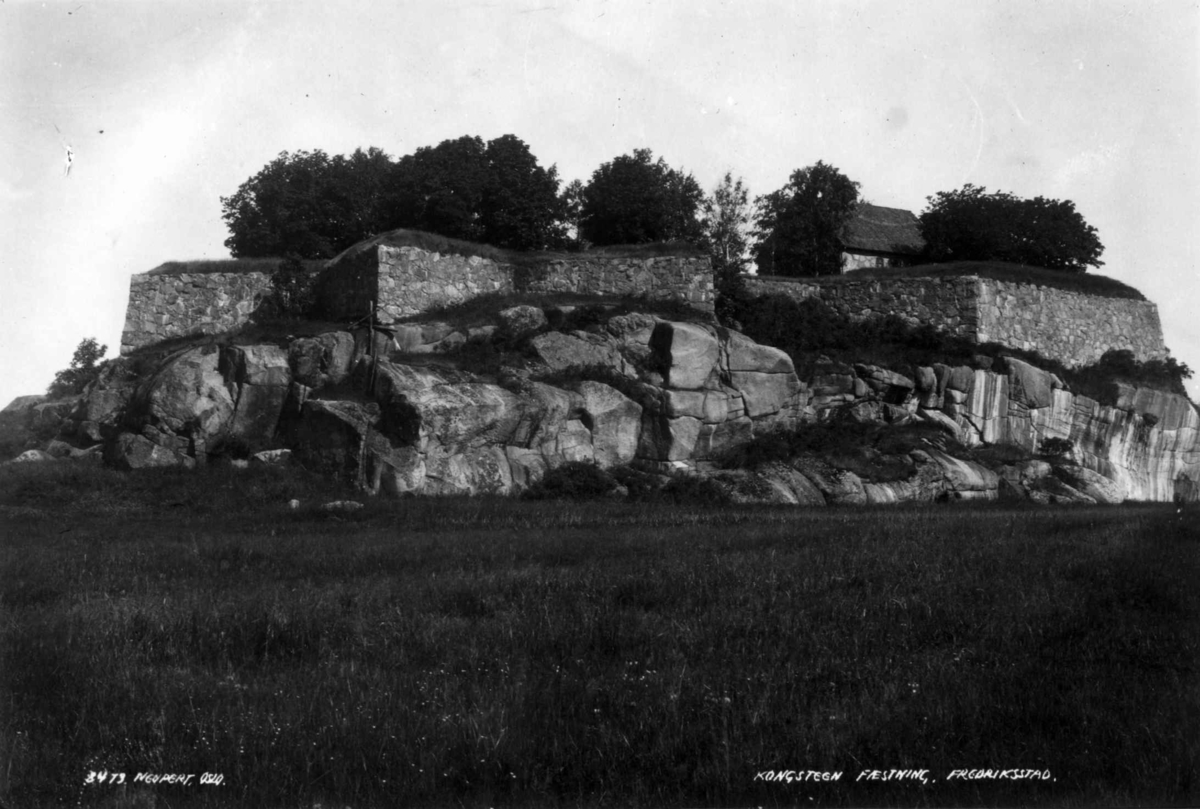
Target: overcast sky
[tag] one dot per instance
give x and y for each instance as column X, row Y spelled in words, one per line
column 170, row 105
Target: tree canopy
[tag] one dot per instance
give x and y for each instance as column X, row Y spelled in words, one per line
column 797, row 229
column 310, row 205
column 972, row 225
column 634, row 199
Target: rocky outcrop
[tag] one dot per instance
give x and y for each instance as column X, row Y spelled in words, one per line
column 391, row 411
column 439, row 431
column 1146, row 444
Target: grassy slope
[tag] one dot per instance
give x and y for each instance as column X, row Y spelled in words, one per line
column 434, row 243
column 1087, row 283
column 496, row 652
column 206, row 266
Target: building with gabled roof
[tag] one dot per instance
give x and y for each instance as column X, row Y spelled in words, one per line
column 881, row 237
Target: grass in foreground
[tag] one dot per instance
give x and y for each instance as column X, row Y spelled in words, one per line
column 497, row 652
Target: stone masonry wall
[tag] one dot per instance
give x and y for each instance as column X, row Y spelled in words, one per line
column 664, row 277
column 165, row 306
column 396, row 282
column 1071, row 327
column 406, row 281
column 412, row 280
column 949, row 304
column 1074, row 328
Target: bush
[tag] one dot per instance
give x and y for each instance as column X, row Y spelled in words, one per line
column 293, row 293
column 692, row 490
column 574, row 480
column 1056, row 447
column 1098, row 380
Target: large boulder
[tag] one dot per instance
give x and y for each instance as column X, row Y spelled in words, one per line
column 743, row 354
column 789, row 485
column 686, row 352
column 481, row 470
column 963, row 476
column 1089, row 483
column 334, row 438
column 129, row 451
column 322, row 360
column 424, row 408
column 187, row 397
column 1029, row 385
column 33, row 456
column 520, row 321
column 614, row 420
column 545, row 414
column 889, row 386
column 767, row 393
column 102, row 405
column 259, row 376
column 47, row 418
column 838, row 486
column 559, row 351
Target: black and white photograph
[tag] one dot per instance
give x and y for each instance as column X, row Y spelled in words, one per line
column 599, row 403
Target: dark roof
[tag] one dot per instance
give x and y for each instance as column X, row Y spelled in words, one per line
column 884, row 230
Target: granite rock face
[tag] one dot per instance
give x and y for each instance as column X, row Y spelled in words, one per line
column 665, row 397
column 443, row 431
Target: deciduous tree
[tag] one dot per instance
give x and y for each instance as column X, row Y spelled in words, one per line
column 495, row 193
column 798, row 228
column 972, row 225
column 634, row 199
column 725, row 219
column 308, row 204
column 85, row 366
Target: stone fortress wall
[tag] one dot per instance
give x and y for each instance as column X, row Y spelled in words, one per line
column 397, row 282
column 165, row 306
column 1071, row 327
column 402, row 281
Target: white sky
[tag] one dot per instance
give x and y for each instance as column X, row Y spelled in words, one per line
column 170, row 105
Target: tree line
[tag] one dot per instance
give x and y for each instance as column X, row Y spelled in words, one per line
column 309, row 204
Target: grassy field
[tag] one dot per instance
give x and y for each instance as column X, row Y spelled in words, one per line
column 506, row 653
